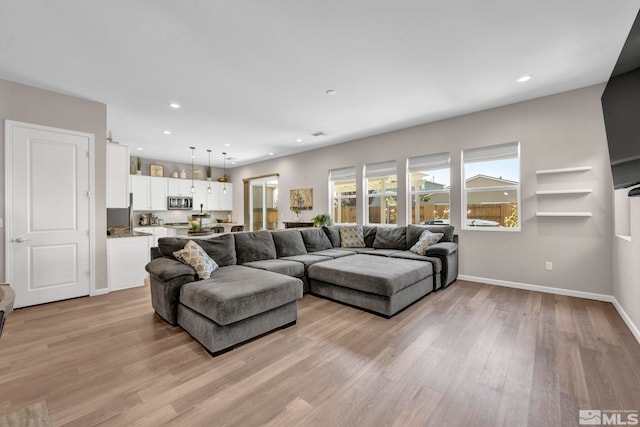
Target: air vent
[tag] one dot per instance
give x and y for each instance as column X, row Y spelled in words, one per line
column 319, row 134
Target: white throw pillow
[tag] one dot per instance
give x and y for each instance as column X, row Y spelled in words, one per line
column 196, row 257
column 426, row 239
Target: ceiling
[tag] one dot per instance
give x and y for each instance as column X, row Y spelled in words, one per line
column 254, row 74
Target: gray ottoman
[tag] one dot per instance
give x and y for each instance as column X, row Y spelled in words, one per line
column 363, row 281
column 237, row 304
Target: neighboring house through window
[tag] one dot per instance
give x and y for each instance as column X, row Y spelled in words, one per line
column 429, row 183
column 342, row 188
column 381, row 188
column 491, row 189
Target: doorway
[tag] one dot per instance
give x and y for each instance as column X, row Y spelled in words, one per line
column 261, row 193
column 49, row 236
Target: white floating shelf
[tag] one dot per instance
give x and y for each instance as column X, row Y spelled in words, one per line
column 565, row 214
column 576, row 191
column 563, row 170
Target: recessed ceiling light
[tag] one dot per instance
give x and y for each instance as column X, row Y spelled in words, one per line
column 233, row 163
column 299, row 140
column 227, row 145
column 524, row 78
column 166, row 132
column 271, row 154
column 139, row 148
column 175, row 105
column 331, row 92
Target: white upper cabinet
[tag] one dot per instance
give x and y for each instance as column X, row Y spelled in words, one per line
column 149, row 193
column 200, row 196
column 117, row 176
column 226, row 200
column 179, row 187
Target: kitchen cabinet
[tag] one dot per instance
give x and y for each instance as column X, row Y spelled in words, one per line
column 149, row 193
column 156, row 233
column 178, row 187
column 200, row 196
column 117, row 176
column 217, row 200
column 126, row 259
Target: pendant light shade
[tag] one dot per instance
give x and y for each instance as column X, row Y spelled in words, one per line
column 224, row 175
column 209, row 173
column 193, row 187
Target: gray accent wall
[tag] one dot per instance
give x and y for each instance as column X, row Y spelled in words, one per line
column 558, row 131
column 42, row 107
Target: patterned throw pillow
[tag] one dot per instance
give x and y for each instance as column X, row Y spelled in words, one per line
column 196, row 257
column 352, row 237
column 426, row 239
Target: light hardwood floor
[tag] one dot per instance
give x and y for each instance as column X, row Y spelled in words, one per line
column 471, row 354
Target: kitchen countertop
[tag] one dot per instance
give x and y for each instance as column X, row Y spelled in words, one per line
column 127, row 233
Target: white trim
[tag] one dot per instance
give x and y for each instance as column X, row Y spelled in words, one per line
column 577, row 191
column 563, row 170
column 538, row 288
column 102, row 291
column 559, row 291
column 574, row 214
column 632, row 326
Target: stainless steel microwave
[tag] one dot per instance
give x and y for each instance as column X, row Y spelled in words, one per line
column 180, row 202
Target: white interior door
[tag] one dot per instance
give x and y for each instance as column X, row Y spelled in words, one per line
column 48, row 210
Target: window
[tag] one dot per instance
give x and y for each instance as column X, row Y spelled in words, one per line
column 342, row 187
column 381, row 187
column 491, row 188
column 429, row 184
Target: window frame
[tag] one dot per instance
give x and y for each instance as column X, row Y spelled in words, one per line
column 437, row 161
column 511, row 187
column 343, row 176
column 377, row 171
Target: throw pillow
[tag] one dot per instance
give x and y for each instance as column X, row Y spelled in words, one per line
column 426, row 239
column 196, row 257
column 352, row 237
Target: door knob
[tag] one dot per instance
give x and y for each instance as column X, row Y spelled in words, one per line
column 20, row 240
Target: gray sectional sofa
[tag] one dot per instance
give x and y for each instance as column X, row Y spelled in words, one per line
column 262, row 274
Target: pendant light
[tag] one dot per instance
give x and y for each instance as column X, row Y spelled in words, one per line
column 224, row 174
column 209, row 172
column 193, row 187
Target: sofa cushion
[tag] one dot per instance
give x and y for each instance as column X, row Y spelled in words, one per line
column 436, row 263
column 315, row 239
column 426, row 239
column 282, row 266
column 415, row 231
column 254, row 246
column 335, row 253
column 364, row 273
column 369, row 232
column 351, row 236
column 237, row 292
column 308, row 259
column 391, row 238
column 333, row 233
column 382, row 252
column 221, row 249
column 192, row 254
column 288, row 243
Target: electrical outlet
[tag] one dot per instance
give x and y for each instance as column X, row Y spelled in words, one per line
column 548, row 266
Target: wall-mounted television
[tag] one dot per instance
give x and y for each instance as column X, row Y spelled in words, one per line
column 621, row 108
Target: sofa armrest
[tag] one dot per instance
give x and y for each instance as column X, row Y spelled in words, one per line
column 166, row 269
column 442, row 248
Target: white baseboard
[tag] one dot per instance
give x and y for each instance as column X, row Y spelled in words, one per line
column 538, row 288
column 559, row 291
column 96, row 292
column 634, row 329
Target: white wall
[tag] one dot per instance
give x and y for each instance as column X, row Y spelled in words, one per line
column 626, row 256
column 557, row 131
column 32, row 105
